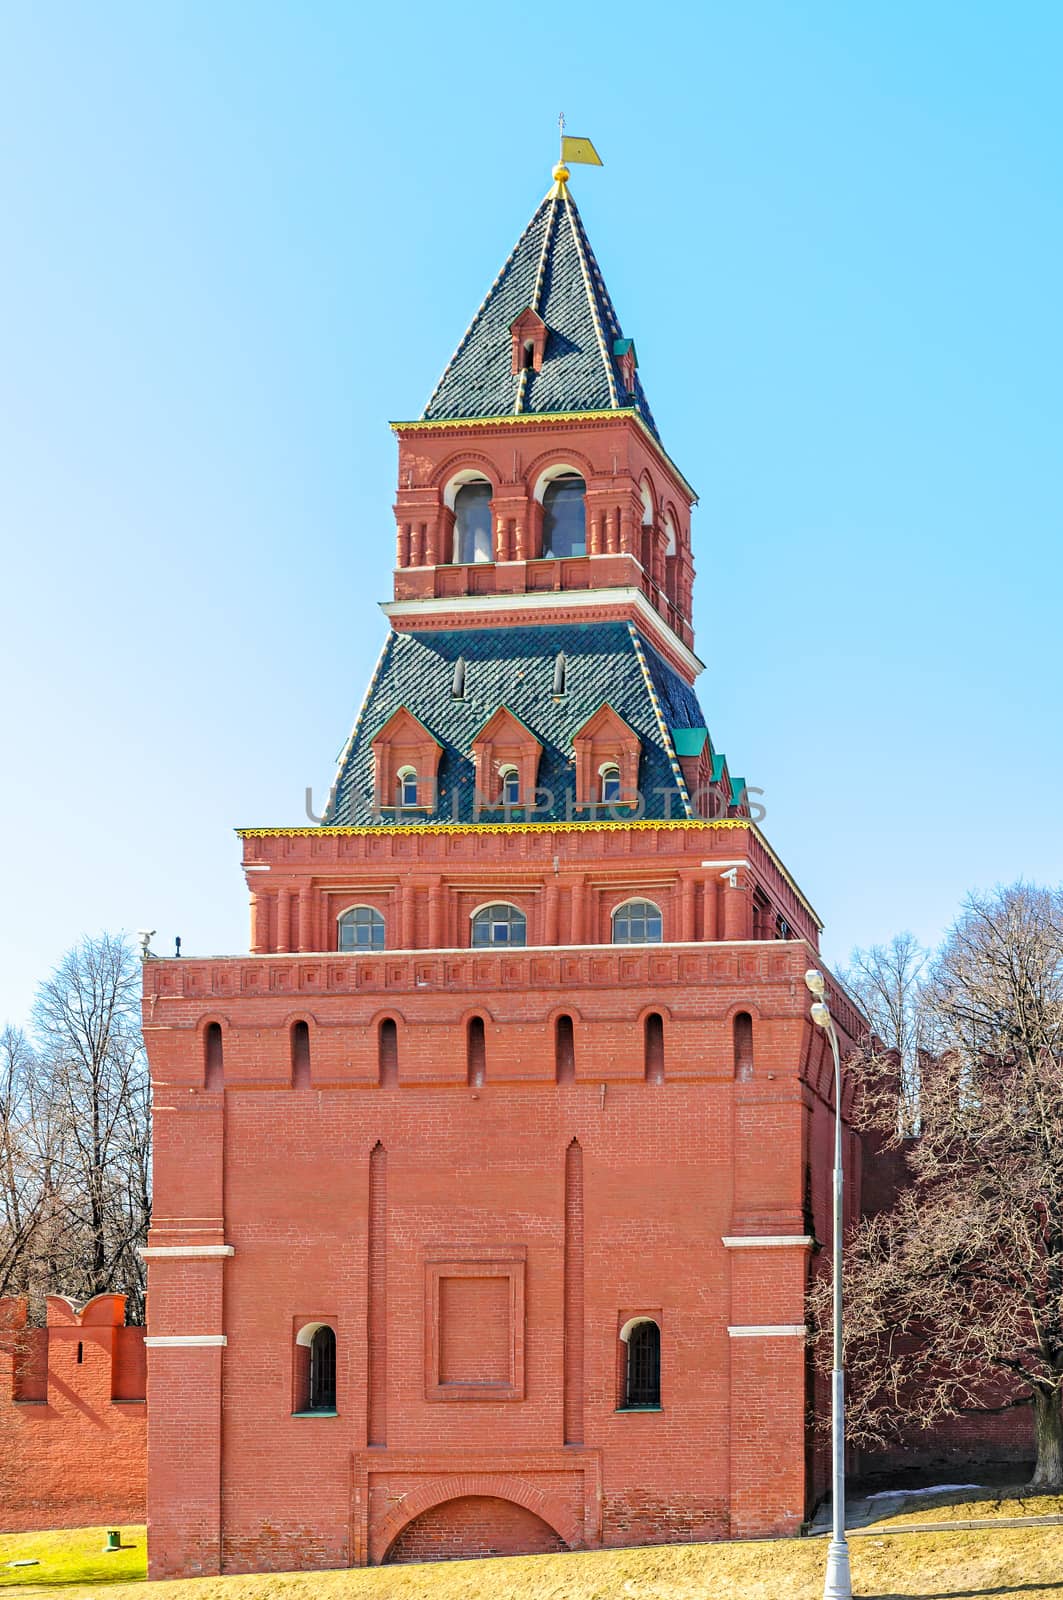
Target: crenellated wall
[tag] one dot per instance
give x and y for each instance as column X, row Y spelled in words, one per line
column 73, row 1426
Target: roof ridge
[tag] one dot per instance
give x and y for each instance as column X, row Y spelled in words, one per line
column 467, row 335
column 548, row 233
column 575, row 222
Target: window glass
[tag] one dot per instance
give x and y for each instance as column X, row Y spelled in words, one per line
column 361, row 928
column 323, row 1371
column 499, row 924
column 407, row 788
column 643, row 1374
column 637, row 922
column 511, row 787
column 610, row 786
column 472, row 521
column 565, row 517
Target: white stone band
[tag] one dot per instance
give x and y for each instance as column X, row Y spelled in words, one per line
column 189, row 1252
column 765, row 1241
column 780, row 1330
column 187, row 1341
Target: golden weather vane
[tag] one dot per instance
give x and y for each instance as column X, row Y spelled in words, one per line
column 573, row 151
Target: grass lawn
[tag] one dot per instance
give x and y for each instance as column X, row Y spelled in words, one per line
column 1026, row 1563
column 71, row 1554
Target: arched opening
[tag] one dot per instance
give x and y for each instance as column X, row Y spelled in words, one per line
column 560, row 673
column 510, row 786
column 609, row 784
column 565, row 516
column 641, row 1385
column 315, row 1369
column 499, row 924
column 388, row 1053
column 472, row 523
column 564, row 1050
column 475, row 1053
column 637, row 922
column 406, row 782
column 213, row 1060
column 457, row 683
column 654, row 1047
column 743, row 1046
column 473, row 1526
column 300, row 1051
column 360, row 928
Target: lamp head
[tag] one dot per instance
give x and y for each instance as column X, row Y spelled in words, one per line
column 814, row 982
column 820, row 1015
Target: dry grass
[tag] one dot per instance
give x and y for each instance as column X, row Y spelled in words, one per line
column 1020, row 1562
column 965, row 1504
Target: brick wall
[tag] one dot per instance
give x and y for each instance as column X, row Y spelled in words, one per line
column 474, row 1525
column 72, row 1416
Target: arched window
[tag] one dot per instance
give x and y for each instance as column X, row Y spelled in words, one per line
column 743, row 1046
column 472, row 523
column 213, row 1062
column 637, row 922
column 560, row 673
column 610, row 785
column 406, row 779
column 323, row 1371
column 361, row 928
column 300, row 1053
column 388, row 1054
column 653, row 1048
column 457, row 683
column 475, row 1053
column 499, row 924
column 510, row 786
column 565, row 516
column 642, row 1366
column 564, row 1051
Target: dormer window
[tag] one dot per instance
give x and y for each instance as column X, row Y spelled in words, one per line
column 528, row 332
column 627, row 361
column 565, row 516
column 510, row 786
column 472, row 524
column 407, row 778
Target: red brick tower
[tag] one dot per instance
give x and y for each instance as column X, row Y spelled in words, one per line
column 486, row 1186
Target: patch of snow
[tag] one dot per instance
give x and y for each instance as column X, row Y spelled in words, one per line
column 938, row 1488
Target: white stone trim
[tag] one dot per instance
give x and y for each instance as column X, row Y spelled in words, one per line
column 570, row 599
column 766, row 1241
column 189, row 1252
column 184, row 1341
column 780, row 1330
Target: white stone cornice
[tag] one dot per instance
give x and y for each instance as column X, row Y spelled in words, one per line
column 779, row 1330
column 766, row 1241
column 188, row 1252
column 184, row 1341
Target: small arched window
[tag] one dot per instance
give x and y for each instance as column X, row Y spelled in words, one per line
column 361, row 928
column 323, row 1371
column 743, row 1046
column 300, row 1054
column 475, row 1053
column 565, row 516
column 642, row 1366
column 610, row 785
column 407, row 786
column 472, row 524
column 564, row 1051
column 457, row 683
column 510, row 786
column 499, row 924
column 637, row 922
column 388, row 1054
column 560, row 673
column 653, row 1047
column 213, row 1060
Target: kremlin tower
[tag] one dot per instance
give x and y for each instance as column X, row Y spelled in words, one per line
column 487, row 1184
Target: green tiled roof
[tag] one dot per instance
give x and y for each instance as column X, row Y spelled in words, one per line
column 514, row 667
column 553, row 270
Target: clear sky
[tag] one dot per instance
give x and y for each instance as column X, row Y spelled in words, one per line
column 237, row 239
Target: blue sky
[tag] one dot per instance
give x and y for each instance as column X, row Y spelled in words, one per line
column 236, row 240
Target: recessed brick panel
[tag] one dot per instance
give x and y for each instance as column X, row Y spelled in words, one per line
column 475, row 1337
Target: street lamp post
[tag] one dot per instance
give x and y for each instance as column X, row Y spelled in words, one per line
column 837, row 1584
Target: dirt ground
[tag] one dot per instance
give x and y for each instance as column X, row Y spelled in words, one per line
column 1019, row 1562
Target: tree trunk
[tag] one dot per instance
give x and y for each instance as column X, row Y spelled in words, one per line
column 1048, row 1419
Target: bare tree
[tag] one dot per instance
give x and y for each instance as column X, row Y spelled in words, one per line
column 955, row 1296
column 887, row 980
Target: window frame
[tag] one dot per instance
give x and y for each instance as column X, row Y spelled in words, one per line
column 375, row 921
column 627, row 1332
column 609, row 773
column 461, row 557
column 556, row 486
column 403, row 776
column 625, row 907
column 479, row 918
